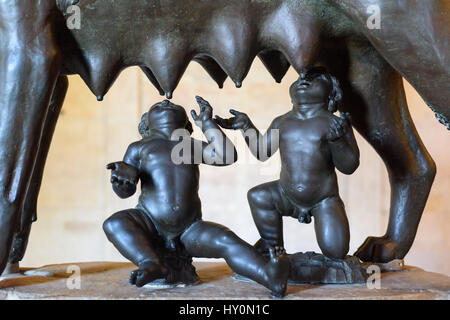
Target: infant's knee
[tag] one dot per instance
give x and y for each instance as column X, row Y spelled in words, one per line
column 336, row 250
column 109, row 225
column 259, row 197
column 114, row 223
column 332, row 229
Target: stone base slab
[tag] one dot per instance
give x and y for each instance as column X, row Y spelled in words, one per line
column 109, row 280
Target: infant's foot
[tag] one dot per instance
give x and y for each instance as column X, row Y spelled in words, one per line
column 147, row 272
column 263, row 247
column 277, row 271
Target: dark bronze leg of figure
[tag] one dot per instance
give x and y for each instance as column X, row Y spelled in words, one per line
column 332, row 229
column 211, row 240
column 265, row 214
column 30, row 207
column 29, row 69
column 374, row 96
column 135, row 237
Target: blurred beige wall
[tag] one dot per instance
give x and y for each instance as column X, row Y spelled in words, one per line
column 76, row 196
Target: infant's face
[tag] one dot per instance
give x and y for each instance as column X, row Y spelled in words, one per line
column 167, row 114
column 310, row 89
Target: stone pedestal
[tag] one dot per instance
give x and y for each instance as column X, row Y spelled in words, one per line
column 109, row 280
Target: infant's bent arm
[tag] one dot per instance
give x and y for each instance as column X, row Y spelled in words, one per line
column 345, row 152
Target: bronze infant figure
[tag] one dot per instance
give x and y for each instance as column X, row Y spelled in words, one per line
column 312, row 143
column 165, row 230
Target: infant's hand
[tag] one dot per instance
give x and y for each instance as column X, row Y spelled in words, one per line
column 338, row 127
column 205, row 111
column 239, row 121
column 122, row 173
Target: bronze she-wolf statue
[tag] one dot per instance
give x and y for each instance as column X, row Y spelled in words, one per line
column 38, row 50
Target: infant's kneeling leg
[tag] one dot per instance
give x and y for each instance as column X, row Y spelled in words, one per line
column 268, row 220
column 332, row 229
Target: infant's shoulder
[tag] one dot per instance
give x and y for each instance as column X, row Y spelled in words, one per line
column 136, row 146
column 328, row 117
column 144, row 145
column 154, row 145
column 148, row 143
column 276, row 122
column 320, row 124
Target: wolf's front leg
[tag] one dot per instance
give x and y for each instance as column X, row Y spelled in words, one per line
column 29, row 212
column 29, row 68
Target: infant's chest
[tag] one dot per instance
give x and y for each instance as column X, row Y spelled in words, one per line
column 156, row 154
column 297, row 133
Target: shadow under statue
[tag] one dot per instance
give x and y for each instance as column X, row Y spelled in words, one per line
column 165, row 230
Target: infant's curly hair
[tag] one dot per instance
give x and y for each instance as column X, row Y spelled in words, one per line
column 144, row 129
column 335, row 95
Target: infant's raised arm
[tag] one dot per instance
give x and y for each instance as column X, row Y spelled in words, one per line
column 219, row 151
column 261, row 146
column 342, row 142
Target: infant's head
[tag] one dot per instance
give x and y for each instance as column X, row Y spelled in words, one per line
column 164, row 114
column 314, row 86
